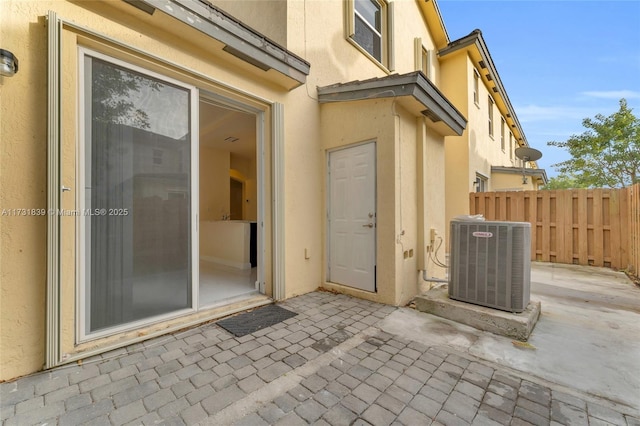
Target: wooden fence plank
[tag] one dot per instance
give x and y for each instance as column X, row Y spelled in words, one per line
column 533, row 220
column 518, row 206
column 615, row 228
column 568, row 210
column 546, row 220
column 583, row 246
column 630, row 241
column 560, row 223
column 634, row 226
column 598, row 229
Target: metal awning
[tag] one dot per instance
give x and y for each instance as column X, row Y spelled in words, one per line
column 422, row 95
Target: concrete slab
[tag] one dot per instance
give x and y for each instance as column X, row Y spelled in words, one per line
column 586, row 338
column 515, row 325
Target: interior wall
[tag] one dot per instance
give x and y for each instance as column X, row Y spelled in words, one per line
column 245, row 169
column 214, row 184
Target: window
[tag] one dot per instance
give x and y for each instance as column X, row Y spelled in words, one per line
column 476, row 87
column 502, row 134
column 481, row 183
column 157, row 156
column 422, row 58
column 426, row 62
column 369, row 28
column 490, row 114
column 511, row 146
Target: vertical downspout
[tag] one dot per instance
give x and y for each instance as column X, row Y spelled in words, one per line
column 278, row 202
column 52, row 348
column 422, row 188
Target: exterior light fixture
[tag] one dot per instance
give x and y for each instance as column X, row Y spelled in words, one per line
column 8, row 63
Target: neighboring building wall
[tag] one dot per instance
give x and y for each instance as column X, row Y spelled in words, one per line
column 476, row 151
column 512, row 182
column 458, row 181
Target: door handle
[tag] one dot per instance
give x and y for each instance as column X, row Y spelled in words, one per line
column 368, row 225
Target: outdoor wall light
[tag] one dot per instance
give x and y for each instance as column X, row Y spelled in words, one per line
column 8, row 63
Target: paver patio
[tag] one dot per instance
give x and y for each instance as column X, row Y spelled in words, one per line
column 329, row 365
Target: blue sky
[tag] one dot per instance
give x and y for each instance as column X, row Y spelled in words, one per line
column 560, row 61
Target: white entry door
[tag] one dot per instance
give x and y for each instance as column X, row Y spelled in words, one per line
column 352, row 216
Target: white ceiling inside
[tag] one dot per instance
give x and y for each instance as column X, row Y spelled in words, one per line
column 218, row 123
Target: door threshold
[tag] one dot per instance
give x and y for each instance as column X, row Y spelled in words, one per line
column 232, row 300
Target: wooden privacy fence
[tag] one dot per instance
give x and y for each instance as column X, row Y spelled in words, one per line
column 599, row 227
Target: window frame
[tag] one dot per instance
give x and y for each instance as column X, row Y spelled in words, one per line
column 83, row 332
column 386, row 60
column 476, row 88
column 511, row 146
column 502, row 127
column 425, row 62
column 481, row 183
column 490, row 104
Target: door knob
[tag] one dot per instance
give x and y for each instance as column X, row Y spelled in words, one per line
column 368, row 225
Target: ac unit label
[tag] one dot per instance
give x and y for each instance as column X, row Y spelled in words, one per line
column 480, row 234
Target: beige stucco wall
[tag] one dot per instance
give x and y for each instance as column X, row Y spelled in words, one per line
column 23, row 174
column 410, row 194
column 455, row 72
column 313, row 30
column 352, row 126
column 512, row 182
column 266, row 16
column 23, row 112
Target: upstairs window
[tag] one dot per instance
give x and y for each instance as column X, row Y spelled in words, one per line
column 369, row 28
column 511, row 146
column 502, row 134
column 476, row 87
column 426, row 62
column 490, row 115
column 422, row 58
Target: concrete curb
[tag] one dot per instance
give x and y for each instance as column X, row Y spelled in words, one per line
column 517, row 326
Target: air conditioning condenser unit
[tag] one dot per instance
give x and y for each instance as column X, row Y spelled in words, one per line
column 490, row 263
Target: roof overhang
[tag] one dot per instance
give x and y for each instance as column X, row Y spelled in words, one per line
column 540, row 174
column 476, row 47
column 414, row 91
column 237, row 39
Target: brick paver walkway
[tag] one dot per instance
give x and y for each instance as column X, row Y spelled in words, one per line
column 329, row 365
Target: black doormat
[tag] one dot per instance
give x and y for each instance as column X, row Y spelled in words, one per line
column 255, row 320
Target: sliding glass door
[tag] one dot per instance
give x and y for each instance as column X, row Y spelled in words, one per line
column 136, row 232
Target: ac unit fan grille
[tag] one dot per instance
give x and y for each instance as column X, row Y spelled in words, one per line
column 491, row 264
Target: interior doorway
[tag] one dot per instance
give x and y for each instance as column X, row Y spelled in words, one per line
column 228, row 204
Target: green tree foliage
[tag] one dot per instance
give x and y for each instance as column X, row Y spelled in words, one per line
column 563, row 181
column 607, row 154
column 111, row 90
